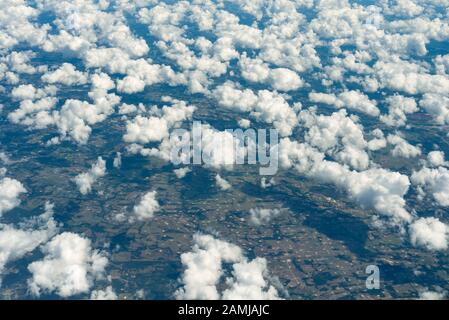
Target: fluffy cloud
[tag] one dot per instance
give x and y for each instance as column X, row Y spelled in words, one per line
column 143, row 130
column 69, row 267
column 17, row 242
column 75, row 116
column 147, row 206
column 10, row 190
column 442, row 64
column 282, row 79
column 436, row 105
column 353, row 100
column 221, row 149
column 18, row 25
column 378, row 142
column 410, row 78
column 66, row 74
column 130, row 84
column 29, row 92
column 398, row 108
column 267, row 106
column 375, row 188
column 254, row 70
column 435, row 181
column 35, row 114
column 402, row 148
column 436, row 159
column 138, row 72
column 181, row 172
column 244, row 123
column 432, row 295
column 430, row 233
column 383, row 49
column 337, row 135
column 106, row 294
column 222, row 183
column 249, row 282
column 85, row 180
column 20, row 62
column 260, row 216
column 231, row 97
column 204, row 269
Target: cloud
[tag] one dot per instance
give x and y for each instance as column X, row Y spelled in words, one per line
column 34, row 114
column 348, row 52
column 66, row 74
column 222, row 183
column 410, row 78
column 436, row 181
column 147, row 206
column 353, row 100
column 114, row 60
column 69, row 267
column 155, row 128
column 436, row 105
column 432, row 295
column 220, row 149
column 402, row 148
column 130, row 84
column 260, row 216
column 398, row 108
column 254, row 70
column 204, row 269
column 231, row 97
column 127, row 108
column 430, row 233
column 375, row 188
column 336, row 135
column 10, row 190
column 18, row 25
column 20, row 62
column 267, row 106
column 266, row 184
column 144, row 130
column 29, row 92
column 378, row 142
column 181, row 172
column 106, row 294
column 17, row 242
column 85, row 180
column 4, row 158
column 282, row 79
column 249, row 282
column 436, row 159
column 75, row 117
column 442, row 64
column 244, row 123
